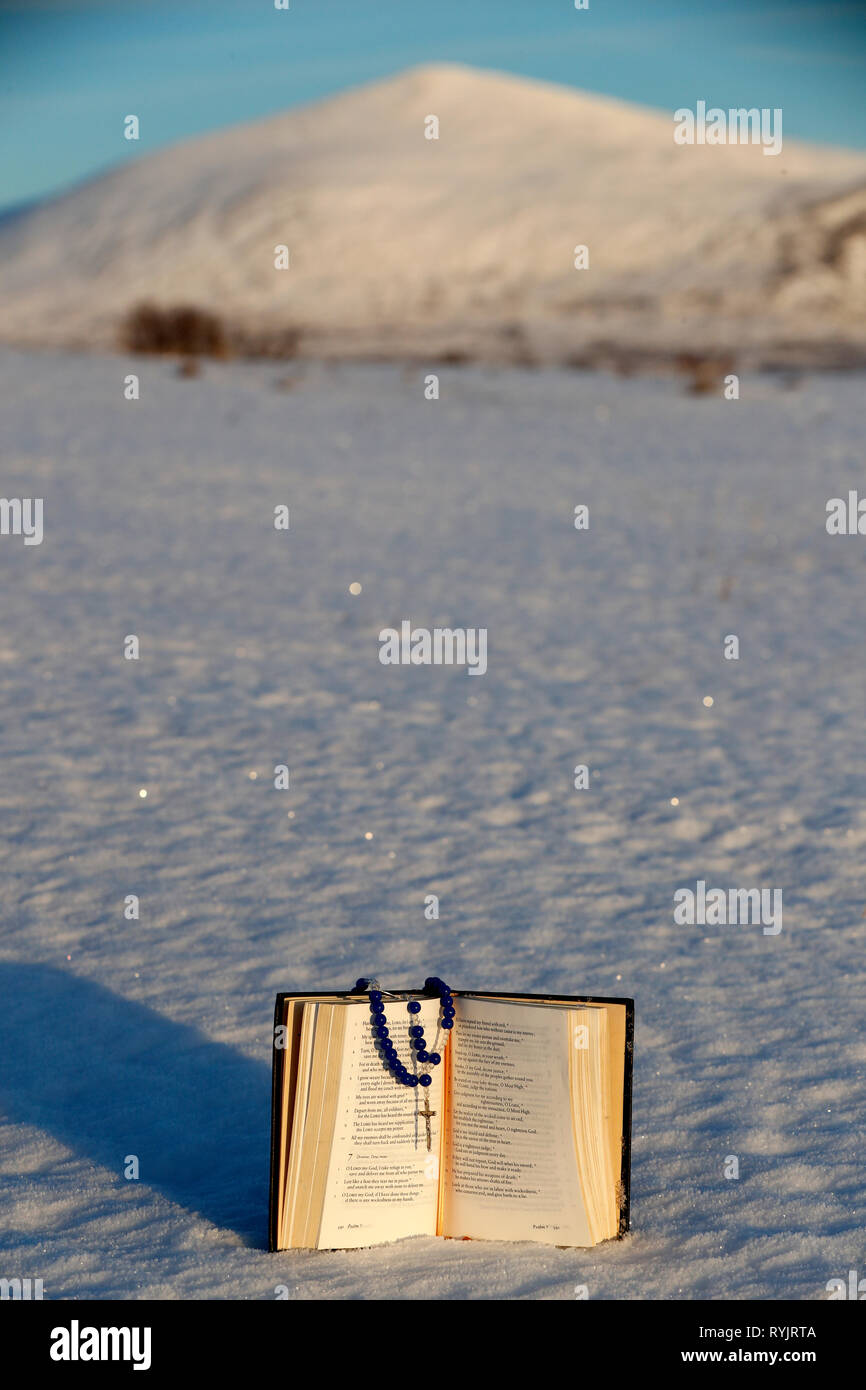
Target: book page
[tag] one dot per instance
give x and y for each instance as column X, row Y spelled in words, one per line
column 382, row 1182
column 510, row 1162
column 591, row 1093
column 286, row 1072
column 296, row 1127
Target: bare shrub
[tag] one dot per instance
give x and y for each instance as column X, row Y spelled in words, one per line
column 183, row 329
column 705, row 374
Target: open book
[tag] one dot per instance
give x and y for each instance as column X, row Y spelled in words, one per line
column 526, row 1134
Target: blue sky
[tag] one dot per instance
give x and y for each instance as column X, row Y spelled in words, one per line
column 70, row 72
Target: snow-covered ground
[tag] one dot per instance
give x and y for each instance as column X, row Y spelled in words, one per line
column 151, row 1037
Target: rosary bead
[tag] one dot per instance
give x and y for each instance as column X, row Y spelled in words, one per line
column 385, row 1044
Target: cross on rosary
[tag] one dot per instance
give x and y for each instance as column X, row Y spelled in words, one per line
column 428, row 1116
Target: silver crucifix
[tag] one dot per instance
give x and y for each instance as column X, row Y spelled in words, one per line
column 428, row 1116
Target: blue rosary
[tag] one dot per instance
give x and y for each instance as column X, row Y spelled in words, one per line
column 401, row 1073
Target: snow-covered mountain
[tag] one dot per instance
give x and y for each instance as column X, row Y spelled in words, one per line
column 407, row 246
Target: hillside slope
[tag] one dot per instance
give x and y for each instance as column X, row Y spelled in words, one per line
column 403, row 245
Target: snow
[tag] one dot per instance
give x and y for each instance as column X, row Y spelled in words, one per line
column 151, row 1037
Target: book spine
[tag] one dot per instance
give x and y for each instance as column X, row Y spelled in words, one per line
column 275, row 1141
column 625, row 1174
